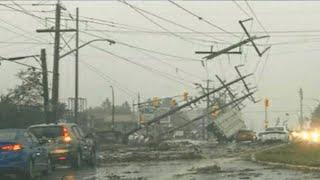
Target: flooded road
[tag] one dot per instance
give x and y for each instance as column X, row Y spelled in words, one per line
column 220, row 163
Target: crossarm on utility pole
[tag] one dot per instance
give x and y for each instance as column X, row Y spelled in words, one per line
column 252, row 42
column 227, row 49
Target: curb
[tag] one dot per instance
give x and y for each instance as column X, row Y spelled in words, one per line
column 289, row 166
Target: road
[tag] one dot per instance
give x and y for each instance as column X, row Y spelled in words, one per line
column 219, row 164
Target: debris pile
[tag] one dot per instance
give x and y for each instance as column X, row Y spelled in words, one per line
column 162, row 152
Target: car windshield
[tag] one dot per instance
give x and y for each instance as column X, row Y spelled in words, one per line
column 47, row 131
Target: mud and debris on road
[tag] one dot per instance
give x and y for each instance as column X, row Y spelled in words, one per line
column 215, row 161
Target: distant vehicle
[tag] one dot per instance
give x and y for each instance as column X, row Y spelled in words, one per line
column 22, row 154
column 272, row 134
column 67, row 143
column 246, row 135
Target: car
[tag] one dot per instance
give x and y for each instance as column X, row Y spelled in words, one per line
column 246, row 135
column 67, row 143
column 22, row 154
column 273, row 134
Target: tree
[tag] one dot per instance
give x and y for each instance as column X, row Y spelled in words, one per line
column 124, row 108
column 106, row 104
column 315, row 121
column 29, row 92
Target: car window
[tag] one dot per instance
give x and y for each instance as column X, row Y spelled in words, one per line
column 27, row 137
column 75, row 131
column 7, row 135
column 47, row 131
column 80, row 132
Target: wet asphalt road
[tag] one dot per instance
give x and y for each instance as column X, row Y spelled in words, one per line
column 232, row 165
column 232, row 168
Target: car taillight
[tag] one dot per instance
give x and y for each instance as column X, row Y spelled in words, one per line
column 11, row 147
column 66, row 135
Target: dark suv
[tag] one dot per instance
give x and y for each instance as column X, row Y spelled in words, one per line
column 67, row 143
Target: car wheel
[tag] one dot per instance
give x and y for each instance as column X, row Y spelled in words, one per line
column 49, row 167
column 28, row 174
column 77, row 160
column 93, row 159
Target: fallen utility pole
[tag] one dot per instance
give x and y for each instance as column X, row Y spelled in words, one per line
column 45, row 85
column 208, row 113
column 174, row 110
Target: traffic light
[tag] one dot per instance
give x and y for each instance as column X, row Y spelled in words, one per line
column 155, row 102
column 215, row 111
column 185, row 96
column 266, row 103
column 173, row 102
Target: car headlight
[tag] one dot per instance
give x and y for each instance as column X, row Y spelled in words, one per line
column 315, row 136
column 305, row 136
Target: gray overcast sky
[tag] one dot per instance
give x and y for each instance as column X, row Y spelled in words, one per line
column 287, row 68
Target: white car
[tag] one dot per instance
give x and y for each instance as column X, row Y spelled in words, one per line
column 272, row 134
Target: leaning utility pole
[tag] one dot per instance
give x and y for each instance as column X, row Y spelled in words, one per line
column 45, row 84
column 76, row 94
column 301, row 107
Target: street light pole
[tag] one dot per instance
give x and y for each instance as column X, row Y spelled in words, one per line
column 112, row 108
column 76, row 95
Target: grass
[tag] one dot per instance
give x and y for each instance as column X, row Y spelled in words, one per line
column 296, row 154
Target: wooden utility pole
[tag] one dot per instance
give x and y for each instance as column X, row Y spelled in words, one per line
column 56, row 57
column 113, row 108
column 55, row 78
column 208, row 115
column 45, row 84
column 301, row 107
column 266, row 106
column 76, row 94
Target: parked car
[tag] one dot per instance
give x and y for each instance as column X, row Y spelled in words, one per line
column 272, row 134
column 246, row 135
column 67, row 143
column 22, row 154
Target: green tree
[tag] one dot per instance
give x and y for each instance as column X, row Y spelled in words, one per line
column 28, row 92
column 315, row 120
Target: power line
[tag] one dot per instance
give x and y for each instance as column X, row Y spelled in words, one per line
column 202, row 19
column 165, row 75
column 256, row 17
column 126, row 91
column 157, row 24
column 176, row 24
column 238, row 5
column 149, row 50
